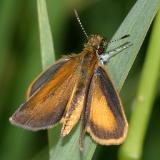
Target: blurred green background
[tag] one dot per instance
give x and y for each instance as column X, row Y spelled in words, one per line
column 20, row 62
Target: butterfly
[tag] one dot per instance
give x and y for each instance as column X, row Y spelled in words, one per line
column 77, row 87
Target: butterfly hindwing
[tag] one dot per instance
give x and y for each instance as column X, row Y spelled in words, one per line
column 46, row 105
column 104, row 116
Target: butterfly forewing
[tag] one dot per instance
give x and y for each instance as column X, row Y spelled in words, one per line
column 105, row 118
column 46, row 106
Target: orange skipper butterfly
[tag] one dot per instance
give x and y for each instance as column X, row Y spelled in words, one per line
column 77, row 87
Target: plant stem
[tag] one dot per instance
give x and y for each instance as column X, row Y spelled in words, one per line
column 133, row 147
column 46, row 42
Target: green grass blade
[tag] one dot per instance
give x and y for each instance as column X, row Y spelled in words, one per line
column 137, row 24
column 133, row 147
column 46, row 42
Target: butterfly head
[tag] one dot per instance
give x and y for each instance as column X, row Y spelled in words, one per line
column 96, row 43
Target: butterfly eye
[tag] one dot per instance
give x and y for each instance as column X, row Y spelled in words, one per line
column 100, row 50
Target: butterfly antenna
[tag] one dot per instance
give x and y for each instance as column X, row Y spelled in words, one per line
column 79, row 21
